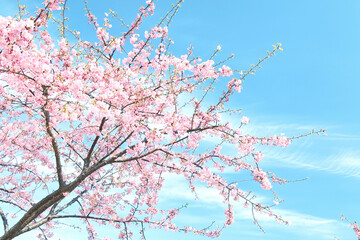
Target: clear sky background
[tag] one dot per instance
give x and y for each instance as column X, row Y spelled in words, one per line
column 314, row 83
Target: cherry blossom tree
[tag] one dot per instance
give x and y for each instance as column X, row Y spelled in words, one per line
column 95, row 126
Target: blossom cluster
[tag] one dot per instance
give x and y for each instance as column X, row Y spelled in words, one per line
column 100, row 123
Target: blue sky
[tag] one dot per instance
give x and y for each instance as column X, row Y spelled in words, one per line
column 314, row 83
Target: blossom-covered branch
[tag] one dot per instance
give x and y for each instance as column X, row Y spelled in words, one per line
column 97, row 125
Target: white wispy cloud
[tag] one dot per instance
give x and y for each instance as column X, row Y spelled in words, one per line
column 342, row 162
column 343, row 137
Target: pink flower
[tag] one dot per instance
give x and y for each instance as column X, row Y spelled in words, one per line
column 101, row 34
column 133, row 39
column 245, row 120
column 258, row 156
column 225, row 71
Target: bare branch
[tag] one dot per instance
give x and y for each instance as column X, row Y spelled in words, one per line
column 53, row 139
column 63, row 19
column 117, row 147
column 14, row 204
column 87, row 159
column 4, row 219
column 53, row 213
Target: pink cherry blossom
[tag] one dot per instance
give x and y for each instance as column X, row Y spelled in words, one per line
column 245, row 120
column 93, row 127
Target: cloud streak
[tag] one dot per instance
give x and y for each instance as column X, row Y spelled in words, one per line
column 341, row 162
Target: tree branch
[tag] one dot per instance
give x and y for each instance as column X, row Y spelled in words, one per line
column 4, row 219
column 53, row 139
column 115, row 148
column 52, row 214
column 87, row 159
column 14, row 204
